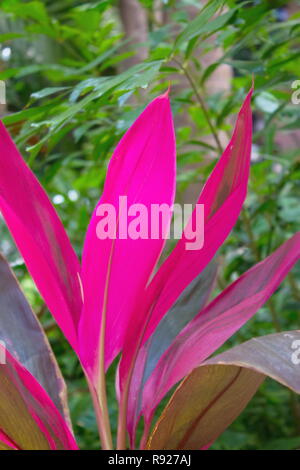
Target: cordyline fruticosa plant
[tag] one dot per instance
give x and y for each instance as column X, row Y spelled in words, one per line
column 161, row 324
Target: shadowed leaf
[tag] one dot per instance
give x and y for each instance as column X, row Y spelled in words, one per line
column 214, row 394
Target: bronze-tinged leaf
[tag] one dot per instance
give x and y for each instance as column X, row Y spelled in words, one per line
column 214, row 394
column 29, row 420
column 15, row 417
column 23, row 336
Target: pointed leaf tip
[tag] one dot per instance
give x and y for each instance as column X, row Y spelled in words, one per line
column 142, row 168
column 166, row 94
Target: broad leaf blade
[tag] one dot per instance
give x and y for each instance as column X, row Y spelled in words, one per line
column 219, row 320
column 24, row 338
column 116, row 272
column 214, row 394
column 28, row 417
column 40, row 237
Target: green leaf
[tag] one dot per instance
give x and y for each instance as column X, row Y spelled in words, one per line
column 9, row 36
column 288, row 443
column 247, row 66
column 200, row 23
column 48, row 91
column 34, row 10
column 266, row 102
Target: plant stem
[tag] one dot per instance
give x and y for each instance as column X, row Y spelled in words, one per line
column 101, row 412
column 122, row 418
column 144, row 438
column 102, row 400
column 101, row 406
column 200, row 100
column 97, row 385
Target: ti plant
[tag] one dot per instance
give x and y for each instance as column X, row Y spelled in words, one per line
column 160, row 323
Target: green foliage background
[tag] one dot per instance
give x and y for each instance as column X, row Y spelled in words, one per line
column 71, row 96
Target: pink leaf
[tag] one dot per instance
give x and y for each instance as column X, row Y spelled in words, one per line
column 222, row 197
column 116, row 272
column 218, row 321
column 40, row 237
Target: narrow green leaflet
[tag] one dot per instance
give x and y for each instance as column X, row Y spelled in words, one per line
column 195, row 27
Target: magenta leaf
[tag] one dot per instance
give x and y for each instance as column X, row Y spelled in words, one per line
column 115, row 272
column 40, row 237
column 222, row 197
column 218, row 321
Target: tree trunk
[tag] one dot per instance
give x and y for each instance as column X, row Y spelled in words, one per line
column 135, row 25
